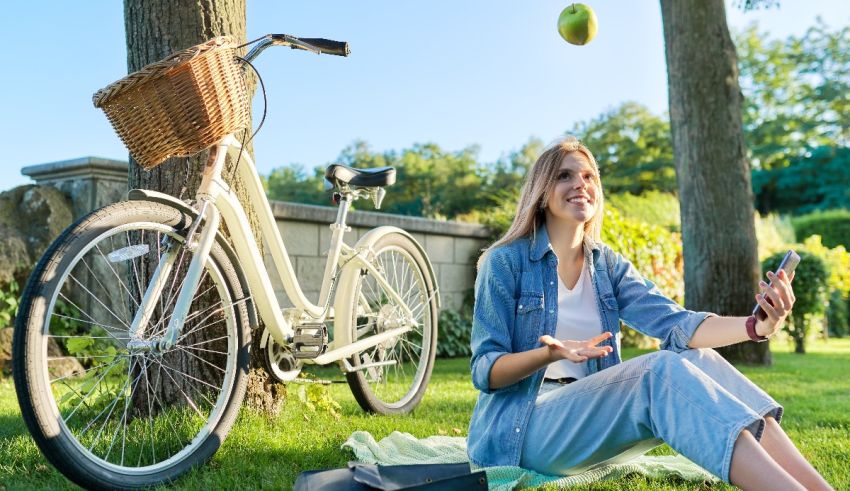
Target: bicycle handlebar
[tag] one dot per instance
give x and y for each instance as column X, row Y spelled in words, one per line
column 319, row 45
column 314, row 45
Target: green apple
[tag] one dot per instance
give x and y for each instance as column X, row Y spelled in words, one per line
column 577, row 24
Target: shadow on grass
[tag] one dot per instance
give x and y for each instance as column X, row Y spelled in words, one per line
column 12, row 426
column 263, row 468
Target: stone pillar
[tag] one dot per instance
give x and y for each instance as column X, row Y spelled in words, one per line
column 90, row 182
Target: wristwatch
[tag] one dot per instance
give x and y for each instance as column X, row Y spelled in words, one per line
column 751, row 330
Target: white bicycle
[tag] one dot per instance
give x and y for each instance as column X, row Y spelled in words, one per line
column 157, row 308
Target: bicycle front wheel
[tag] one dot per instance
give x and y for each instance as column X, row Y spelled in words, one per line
column 391, row 377
column 125, row 412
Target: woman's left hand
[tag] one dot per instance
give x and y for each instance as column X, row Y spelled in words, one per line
column 776, row 300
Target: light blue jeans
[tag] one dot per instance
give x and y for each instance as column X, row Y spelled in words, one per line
column 694, row 401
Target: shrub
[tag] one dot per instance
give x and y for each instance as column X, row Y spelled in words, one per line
column 455, row 334
column 654, row 251
column 653, row 207
column 497, row 218
column 833, row 226
column 837, row 261
column 9, row 304
column 810, row 288
column 837, row 315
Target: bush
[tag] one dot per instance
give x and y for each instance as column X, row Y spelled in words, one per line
column 837, row 315
column 833, row 226
column 498, row 218
column 810, row 288
column 653, row 207
column 837, row 262
column 9, row 304
column 654, row 251
column 455, row 334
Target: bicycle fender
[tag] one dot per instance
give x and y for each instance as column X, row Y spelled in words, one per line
column 168, row 200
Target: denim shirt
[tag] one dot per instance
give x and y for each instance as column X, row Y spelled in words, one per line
column 516, row 302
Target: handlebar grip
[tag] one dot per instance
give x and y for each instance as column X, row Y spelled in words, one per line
column 328, row 46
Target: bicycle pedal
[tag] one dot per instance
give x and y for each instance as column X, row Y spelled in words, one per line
column 309, row 341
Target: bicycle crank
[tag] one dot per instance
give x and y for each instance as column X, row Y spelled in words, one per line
column 278, row 360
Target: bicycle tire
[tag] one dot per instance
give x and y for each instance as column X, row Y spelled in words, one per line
column 387, row 389
column 184, row 432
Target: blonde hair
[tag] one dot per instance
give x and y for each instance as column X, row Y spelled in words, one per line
column 536, row 189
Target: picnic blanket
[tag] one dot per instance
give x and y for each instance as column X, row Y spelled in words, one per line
column 403, row 448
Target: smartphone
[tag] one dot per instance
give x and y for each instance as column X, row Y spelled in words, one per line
column 789, row 262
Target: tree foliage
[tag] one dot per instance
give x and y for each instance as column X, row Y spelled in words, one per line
column 632, row 147
column 430, row 181
column 797, row 93
column 817, row 180
column 295, row 184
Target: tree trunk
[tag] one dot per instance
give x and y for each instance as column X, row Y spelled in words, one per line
column 154, row 30
column 713, row 174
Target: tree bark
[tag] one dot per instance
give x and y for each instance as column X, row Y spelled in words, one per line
column 712, row 171
column 154, row 30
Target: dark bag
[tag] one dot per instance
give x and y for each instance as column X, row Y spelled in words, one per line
column 357, row 477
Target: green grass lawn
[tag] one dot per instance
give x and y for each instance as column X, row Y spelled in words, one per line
column 263, row 453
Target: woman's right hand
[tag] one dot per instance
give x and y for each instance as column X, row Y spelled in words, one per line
column 576, row 351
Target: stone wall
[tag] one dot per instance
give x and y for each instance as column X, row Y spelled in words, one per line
column 92, row 182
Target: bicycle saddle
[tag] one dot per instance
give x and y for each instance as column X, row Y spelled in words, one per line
column 367, row 178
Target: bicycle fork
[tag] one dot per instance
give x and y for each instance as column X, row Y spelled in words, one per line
column 200, row 250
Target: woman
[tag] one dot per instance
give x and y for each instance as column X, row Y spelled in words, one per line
column 559, row 406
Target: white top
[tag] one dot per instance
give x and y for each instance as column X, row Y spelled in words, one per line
column 578, row 319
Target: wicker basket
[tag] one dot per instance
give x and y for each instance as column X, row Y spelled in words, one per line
column 180, row 105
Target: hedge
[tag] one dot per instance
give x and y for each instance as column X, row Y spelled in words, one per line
column 833, row 226
column 653, row 207
column 655, row 252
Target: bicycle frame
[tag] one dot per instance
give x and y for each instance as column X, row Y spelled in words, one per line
column 219, row 202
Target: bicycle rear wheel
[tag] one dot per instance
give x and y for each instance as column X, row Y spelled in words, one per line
column 129, row 415
column 396, row 372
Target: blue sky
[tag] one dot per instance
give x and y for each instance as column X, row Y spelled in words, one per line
column 490, row 73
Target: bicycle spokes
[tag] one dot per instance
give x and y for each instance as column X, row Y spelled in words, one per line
column 132, row 401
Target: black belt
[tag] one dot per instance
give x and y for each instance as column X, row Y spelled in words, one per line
column 562, row 380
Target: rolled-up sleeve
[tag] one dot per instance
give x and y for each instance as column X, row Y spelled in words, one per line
column 644, row 308
column 493, row 318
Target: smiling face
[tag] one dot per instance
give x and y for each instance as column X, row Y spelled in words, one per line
column 574, row 195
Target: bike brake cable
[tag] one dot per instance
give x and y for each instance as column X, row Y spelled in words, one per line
column 262, row 119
